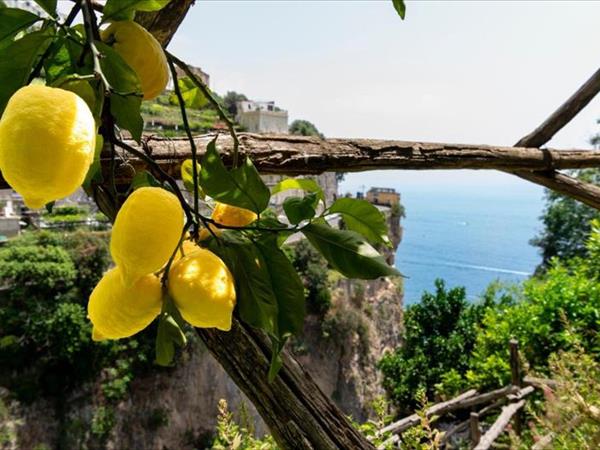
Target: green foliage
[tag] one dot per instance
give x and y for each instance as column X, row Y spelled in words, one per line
column 125, row 9
column 13, row 20
column 313, row 271
column 241, row 186
column 400, row 8
column 440, row 333
column 304, row 128
column 230, row 101
column 45, row 336
column 17, row 60
column 556, row 312
column 348, row 252
column 191, row 94
column 230, row 435
column 572, row 409
column 103, row 421
column 363, row 217
column 566, row 224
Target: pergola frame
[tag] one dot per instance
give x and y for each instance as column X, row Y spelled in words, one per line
column 297, row 412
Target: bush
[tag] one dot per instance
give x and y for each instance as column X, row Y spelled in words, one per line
column 45, row 336
column 572, row 410
column 440, row 333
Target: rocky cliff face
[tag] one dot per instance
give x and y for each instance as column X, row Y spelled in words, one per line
column 177, row 408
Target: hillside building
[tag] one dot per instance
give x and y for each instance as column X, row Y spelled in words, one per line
column 262, row 117
column 383, row 196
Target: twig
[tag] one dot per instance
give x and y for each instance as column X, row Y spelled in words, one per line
column 92, row 34
column 188, row 131
column 208, row 94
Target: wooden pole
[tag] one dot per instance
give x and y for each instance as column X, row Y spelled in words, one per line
column 474, row 428
column 516, row 378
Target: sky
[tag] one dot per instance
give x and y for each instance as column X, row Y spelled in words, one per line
column 464, row 72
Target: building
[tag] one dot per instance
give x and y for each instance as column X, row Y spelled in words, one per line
column 262, row 117
column 383, row 196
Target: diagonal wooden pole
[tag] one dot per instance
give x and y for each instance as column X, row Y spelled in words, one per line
column 587, row 193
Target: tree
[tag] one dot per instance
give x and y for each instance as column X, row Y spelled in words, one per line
column 440, row 334
column 230, row 101
column 305, row 128
column 566, row 224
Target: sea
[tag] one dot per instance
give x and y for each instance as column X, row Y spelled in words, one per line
column 468, row 233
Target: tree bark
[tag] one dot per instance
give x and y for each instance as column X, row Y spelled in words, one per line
column 297, row 412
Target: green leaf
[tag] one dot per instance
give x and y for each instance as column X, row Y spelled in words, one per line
column 298, row 209
column 192, row 96
column 126, row 100
column 126, row 111
column 125, row 9
column 348, row 252
column 94, row 174
column 143, row 179
column 48, row 5
column 304, row 184
column 363, row 217
column 242, row 187
column 169, row 334
column 287, row 286
column 256, row 299
column 13, row 20
column 187, row 176
column 119, row 74
column 17, row 61
column 400, row 7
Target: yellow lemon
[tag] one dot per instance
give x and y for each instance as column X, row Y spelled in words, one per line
column 47, row 139
column 232, row 216
column 142, row 52
column 146, row 232
column 118, row 311
column 205, row 233
column 203, row 290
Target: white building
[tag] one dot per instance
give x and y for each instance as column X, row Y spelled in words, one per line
column 262, row 117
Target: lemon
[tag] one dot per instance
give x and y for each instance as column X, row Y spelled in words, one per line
column 146, row 232
column 203, row 290
column 118, row 311
column 47, row 139
column 142, row 52
column 232, row 216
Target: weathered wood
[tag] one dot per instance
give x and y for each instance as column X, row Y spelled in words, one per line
column 587, row 193
column 564, row 114
column 164, row 23
column 486, row 397
column 435, row 410
column 298, row 155
column 540, row 382
column 499, row 425
column 516, row 379
column 297, row 412
column 474, row 429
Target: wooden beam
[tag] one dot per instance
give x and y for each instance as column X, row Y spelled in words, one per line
column 499, row 425
column 587, row 193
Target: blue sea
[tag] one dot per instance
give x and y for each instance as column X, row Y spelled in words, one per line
column 469, row 232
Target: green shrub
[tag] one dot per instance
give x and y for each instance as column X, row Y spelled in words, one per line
column 440, row 333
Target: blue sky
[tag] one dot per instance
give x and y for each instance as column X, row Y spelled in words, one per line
column 470, row 72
